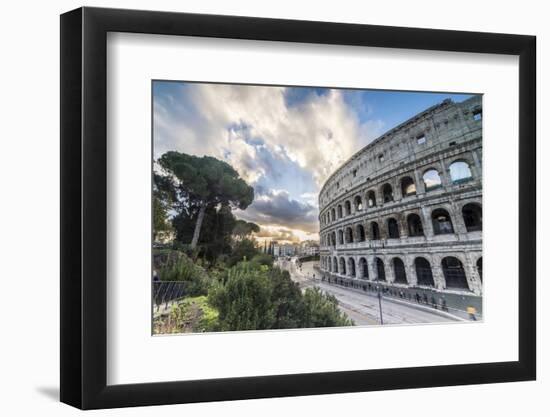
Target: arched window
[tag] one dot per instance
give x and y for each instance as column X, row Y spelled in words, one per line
column 471, row 213
column 399, row 271
column 387, row 193
column 333, row 238
column 351, row 267
column 423, row 272
column 340, row 237
column 339, row 211
column 363, row 268
column 380, row 271
column 407, row 187
column 455, row 277
column 479, row 265
column 358, row 203
column 371, row 198
column 349, row 235
column 442, row 222
column 360, row 231
column 342, row 266
column 335, row 264
column 333, row 212
column 374, row 231
column 329, row 265
column 415, row 225
column 460, row 172
column 347, row 205
column 393, row 228
column 431, row 179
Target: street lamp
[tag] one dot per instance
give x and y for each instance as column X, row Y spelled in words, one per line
column 380, row 306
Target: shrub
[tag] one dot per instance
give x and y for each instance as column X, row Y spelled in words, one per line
column 176, row 266
column 321, row 310
column 244, row 300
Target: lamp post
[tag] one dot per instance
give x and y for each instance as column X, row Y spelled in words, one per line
column 380, row 306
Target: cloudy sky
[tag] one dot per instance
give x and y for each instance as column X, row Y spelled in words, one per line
column 284, row 141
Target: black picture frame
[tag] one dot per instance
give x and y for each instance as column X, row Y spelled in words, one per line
column 84, row 207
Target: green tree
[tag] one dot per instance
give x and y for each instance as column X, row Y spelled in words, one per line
column 204, row 182
column 163, row 197
column 243, row 250
column 244, row 229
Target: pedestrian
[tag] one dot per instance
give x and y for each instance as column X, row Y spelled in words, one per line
column 471, row 310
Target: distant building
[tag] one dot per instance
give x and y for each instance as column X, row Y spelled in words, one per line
column 309, row 248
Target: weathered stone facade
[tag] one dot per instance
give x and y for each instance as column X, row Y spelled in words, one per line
column 406, row 210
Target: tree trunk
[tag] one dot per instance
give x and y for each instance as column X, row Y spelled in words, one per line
column 198, row 225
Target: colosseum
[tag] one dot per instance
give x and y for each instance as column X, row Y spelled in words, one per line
column 404, row 214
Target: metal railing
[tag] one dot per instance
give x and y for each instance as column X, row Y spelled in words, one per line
column 166, row 291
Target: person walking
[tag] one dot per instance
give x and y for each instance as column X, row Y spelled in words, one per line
column 471, row 310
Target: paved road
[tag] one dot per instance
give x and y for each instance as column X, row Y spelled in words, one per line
column 362, row 307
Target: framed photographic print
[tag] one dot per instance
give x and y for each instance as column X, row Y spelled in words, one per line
column 258, row 208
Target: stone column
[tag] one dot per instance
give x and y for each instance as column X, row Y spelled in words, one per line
column 437, row 272
column 396, row 185
column 457, row 219
column 388, row 264
column 427, row 225
column 445, row 174
column 372, row 268
column 412, row 279
column 420, row 187
column 476, row 166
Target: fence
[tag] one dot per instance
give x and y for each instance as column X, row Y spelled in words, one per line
column 166, row 291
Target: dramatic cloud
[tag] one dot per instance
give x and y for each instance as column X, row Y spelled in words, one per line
column 284, row 142
column 316, row 131
column 275, row 207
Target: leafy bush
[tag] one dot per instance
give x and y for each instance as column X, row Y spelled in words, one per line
column 176, row 266
column 262, row 259
column 321, row 310
column 244, row 300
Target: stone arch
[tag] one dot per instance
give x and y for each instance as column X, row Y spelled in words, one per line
column 393, row 228
column 414, row 225
column 348, row 236
column 408, row 187
column 342, row 266
column 374, row 231
column 460, row 171
column 339, row 210
column 472, row 215
column 340, row 237
column 347, row 207
column 387, row 193
column 351, row 267
column 399, row 271
column 453, row 271
column 333, row 214
column 380, row 269
column 363, row 268
column 441, row 221
column 424, row 275
column 358, row 203
column 360, row 232
column 371, row 198
column 431, row 179
column 335, row 264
